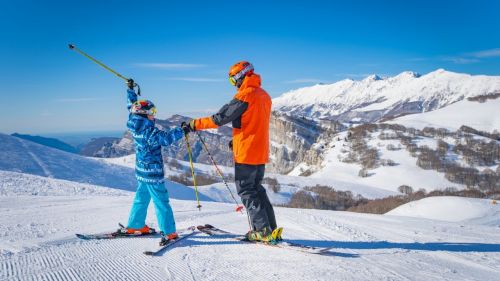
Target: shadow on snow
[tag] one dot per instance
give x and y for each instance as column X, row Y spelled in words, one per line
column 202, row 240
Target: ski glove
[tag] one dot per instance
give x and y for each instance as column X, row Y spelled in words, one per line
column 188, row 127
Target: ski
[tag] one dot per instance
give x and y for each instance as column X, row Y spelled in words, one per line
column 212, row 231
column 111, row 235
column 182, row 235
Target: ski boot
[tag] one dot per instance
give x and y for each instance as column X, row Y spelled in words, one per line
column 135, row 231
column 165, row 239
column 264, row 235
column 277, row 234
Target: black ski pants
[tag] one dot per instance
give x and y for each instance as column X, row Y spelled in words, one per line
column 248, row 179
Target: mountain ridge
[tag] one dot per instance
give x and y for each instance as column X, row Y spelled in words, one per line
column 374, row 98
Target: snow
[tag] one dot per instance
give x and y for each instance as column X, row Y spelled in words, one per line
column 480, row 116
column 449, row 208
column 18, row 155
column 13, row 183
column 387, row 178
column 433, row 90
column 37, row 242
column 289, row 183
column 44, row 207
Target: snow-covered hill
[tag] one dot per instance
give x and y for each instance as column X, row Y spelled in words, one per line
column 404, row 171
column 18, row 155
column 52, row 168
column 449, row 208
column 374, row 98
column 289, row 183
column 480, row 116
column 37, row 242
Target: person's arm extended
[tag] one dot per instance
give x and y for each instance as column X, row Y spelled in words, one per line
column 228, row 113
column 131, row 98
column 167, row 137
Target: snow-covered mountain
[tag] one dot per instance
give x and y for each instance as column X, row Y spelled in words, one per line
column 375, row 98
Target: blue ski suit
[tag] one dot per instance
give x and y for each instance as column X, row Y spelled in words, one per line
column 149, row 169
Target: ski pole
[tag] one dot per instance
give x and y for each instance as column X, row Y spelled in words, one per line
column 192, row 170
column 74, row 48
column 238, row 207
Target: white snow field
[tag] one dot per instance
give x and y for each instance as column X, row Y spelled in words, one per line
column 37, row 241
column 389, row 178
column 449, row 208
column 480, row 116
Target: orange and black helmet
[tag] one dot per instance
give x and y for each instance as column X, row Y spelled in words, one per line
column 238, row 71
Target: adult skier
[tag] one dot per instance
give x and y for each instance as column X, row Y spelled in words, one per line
column 149, row 168
column 249, row 111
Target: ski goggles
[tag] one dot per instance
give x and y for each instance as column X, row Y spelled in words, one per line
column 141, row 107
column 235, row 78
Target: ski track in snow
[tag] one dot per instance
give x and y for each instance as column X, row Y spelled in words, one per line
column 37, row 160
column 37, row 242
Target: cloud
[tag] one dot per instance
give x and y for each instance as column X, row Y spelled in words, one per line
column 304, row 80
column 170, row 65
column 78, row 99
column 195, row 79
column 460, row 60
column 486, row 53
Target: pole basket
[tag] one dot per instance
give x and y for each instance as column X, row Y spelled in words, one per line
column 239, row 209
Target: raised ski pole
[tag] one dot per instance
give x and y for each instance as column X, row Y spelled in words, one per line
column 238, row 207
column 192, row 170
column 74, row 48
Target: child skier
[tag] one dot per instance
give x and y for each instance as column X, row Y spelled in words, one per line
column 149, row 168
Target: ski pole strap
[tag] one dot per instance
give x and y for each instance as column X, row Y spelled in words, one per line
column 192, row 170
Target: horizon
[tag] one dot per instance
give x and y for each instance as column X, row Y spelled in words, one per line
column 180, row 56
column 115, row 130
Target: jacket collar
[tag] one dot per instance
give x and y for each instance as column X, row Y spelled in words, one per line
column 252, row 80
column 140, row 123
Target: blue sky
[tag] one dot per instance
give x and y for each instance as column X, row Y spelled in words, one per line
column 180, row 51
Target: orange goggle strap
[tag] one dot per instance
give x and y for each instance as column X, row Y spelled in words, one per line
column 234, row 79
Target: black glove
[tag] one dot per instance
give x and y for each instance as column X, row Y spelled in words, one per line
column 131, row 84
column 230, row 144
column 188, row 127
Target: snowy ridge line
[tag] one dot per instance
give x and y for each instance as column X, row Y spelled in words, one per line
column 374, row 98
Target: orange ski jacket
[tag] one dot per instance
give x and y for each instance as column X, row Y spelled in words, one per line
column 249, row 112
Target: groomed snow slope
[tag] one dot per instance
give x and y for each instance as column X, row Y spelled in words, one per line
column 18, row 155
column 480, row 116
column 449, row 208
column 37, row 243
